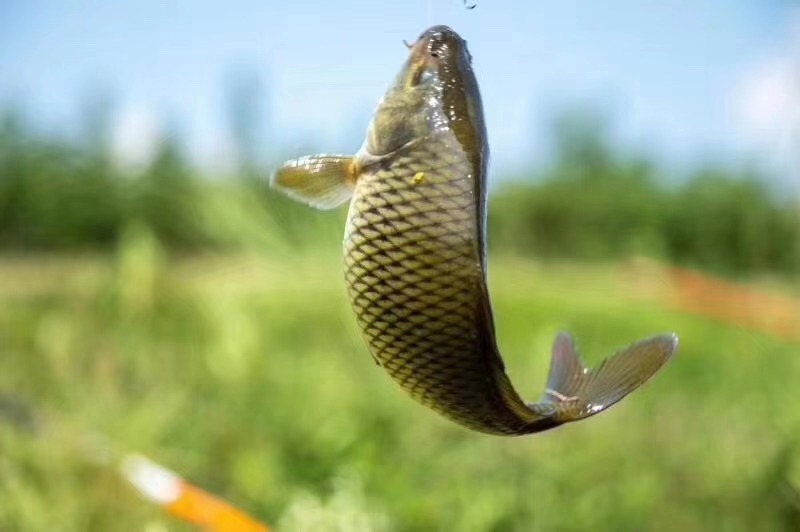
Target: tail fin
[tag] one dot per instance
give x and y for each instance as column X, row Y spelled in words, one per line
column 575, row 392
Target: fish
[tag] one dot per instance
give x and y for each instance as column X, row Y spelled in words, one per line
column 415, row 255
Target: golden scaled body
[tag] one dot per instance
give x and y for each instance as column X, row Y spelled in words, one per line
column 414, row 275
column 414, row 253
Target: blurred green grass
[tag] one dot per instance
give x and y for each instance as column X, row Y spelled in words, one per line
column 247, row 375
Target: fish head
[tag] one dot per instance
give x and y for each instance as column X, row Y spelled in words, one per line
column 435, row 90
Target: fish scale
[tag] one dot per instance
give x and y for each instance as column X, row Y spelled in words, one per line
column 421, row 268
column 414, row 255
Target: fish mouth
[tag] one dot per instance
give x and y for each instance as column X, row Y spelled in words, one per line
column 441, row 34
column 437, row 45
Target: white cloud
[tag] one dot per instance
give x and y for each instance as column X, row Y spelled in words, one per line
column 138, row 132
column 213, row 151
column 136, row 136
column 766, row 103
column 769, row 100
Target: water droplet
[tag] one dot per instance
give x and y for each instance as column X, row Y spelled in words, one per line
column 470, row 4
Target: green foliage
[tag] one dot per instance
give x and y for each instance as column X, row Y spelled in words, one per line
column 594, row 203
column 58, row 196
column 732, row 225
column 54, row 196
column 247, row 376
column 239, row 367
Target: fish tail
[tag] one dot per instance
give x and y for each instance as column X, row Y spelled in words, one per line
column 574, row 391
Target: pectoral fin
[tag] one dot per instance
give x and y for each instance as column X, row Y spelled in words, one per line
column 575, row 392
column 322, row 181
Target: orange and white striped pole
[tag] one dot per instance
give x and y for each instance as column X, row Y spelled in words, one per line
column 183, row 500
column 156, row 483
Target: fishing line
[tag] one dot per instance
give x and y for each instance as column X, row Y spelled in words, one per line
column 428, row 22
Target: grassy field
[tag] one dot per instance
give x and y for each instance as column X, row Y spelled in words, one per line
column 248, row 376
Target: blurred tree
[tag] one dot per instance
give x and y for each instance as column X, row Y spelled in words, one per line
column 246, row 108
column 593, row 202
column 166, row 198
column 96, row 109
column 727, row 223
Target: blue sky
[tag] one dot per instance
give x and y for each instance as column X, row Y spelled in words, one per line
column 668, row 72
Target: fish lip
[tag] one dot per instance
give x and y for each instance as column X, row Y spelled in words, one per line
column 439, row 36
column 440, row 32
column 437, row 44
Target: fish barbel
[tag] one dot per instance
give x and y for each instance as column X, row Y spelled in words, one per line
column 415, row 255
